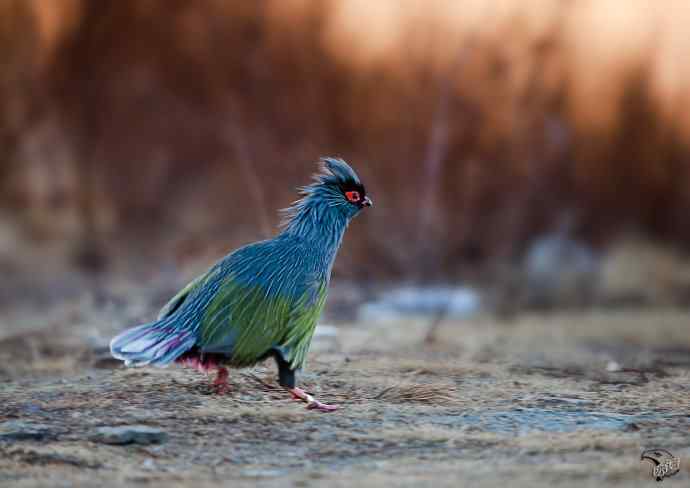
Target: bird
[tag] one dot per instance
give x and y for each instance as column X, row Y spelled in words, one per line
column 664, row 463
column 262, row 300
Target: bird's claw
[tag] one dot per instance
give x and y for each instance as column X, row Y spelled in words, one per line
column 312, row 403
column 321, row 407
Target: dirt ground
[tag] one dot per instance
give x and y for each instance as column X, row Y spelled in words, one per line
column 559, row 400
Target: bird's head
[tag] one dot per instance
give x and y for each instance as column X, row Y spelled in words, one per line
column 340, row 186
column 656, row 456
column 337, row 187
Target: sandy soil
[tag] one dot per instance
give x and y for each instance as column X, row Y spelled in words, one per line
column 565, row 400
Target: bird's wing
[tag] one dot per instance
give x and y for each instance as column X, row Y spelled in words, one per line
column 266, row 301
column 246, row 323
column 301, row 326
column 175, row 302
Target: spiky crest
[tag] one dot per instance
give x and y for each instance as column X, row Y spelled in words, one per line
column 325, row 191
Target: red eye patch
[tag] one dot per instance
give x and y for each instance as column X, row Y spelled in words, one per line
column 352, row 196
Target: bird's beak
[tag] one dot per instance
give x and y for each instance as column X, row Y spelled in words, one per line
column 367, row 202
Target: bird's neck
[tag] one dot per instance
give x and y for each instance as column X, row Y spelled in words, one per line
column 319, row 224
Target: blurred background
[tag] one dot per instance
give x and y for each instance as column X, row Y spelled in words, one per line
column 523, row 155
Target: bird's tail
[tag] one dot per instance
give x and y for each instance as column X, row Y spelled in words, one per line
column 158, row 343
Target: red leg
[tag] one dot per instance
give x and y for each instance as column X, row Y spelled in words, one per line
column 221, row 381
column 312, row 403
column 207, row 364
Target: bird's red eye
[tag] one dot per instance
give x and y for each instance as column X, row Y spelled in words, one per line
column 352, row 196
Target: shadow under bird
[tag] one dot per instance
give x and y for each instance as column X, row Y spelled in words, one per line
column 262, row 300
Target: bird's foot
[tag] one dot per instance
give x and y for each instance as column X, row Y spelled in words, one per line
column 206, row 364
column 312, row 403
column 220, row 384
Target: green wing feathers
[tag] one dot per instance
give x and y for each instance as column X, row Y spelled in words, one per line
column 249, row 320
column 301, row 326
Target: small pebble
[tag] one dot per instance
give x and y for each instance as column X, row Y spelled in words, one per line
column 16, row 430
column 130, row 434
column 613, row 366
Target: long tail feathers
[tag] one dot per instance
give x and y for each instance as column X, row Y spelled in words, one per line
column 158, row 343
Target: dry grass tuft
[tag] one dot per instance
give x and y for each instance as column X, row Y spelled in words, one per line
column 432, row 394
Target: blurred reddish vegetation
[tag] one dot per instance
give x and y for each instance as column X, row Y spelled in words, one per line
column 170, row 126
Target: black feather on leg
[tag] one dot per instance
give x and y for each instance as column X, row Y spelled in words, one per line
column 286, row 375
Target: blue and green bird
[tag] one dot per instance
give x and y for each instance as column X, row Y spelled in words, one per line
column 262, row 300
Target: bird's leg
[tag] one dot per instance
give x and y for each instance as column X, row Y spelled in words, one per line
column 312, row 403
column 286, row 379
column 205, row 364
column 221, row 382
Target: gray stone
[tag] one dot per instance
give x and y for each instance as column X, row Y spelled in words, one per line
column 16, row 430
column 130, row 434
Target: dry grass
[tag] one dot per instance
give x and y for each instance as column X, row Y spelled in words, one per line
column 419, row 416
column 436, row 394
